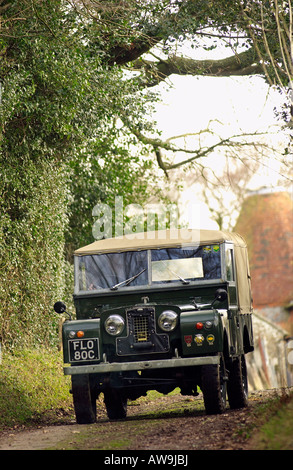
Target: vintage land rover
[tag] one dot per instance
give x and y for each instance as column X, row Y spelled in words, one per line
column 158, row 311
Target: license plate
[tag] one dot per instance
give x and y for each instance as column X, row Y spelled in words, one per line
column 83, row 350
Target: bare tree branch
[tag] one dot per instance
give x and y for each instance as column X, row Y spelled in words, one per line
column 236, row 141
column 244, row 63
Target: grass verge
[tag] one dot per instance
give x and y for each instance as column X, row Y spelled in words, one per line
column 31, row 383
column 277, row 432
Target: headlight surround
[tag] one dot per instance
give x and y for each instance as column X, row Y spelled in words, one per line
column 114, row 325
column 168, row 320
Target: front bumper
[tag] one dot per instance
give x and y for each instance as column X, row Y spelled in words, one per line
column 106, row 367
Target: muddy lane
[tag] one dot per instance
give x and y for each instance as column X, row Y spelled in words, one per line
column 166, row 423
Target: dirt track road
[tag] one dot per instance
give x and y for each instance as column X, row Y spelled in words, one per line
column 166, row 423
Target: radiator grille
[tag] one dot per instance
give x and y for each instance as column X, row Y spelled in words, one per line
column 141, row 329
column 142, row 337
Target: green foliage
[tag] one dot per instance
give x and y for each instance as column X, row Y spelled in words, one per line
column 31, row 252
column 31, row 383
column 106, row 169
column 59, row 108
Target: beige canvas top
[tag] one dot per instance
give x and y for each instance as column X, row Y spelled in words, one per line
column 179, row 238
column 159, row 239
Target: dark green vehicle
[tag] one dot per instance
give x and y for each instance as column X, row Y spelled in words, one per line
column 159, row 311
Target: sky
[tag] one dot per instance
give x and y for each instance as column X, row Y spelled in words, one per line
column 234, row 104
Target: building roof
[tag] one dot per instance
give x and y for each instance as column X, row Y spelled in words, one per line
column 266, row 222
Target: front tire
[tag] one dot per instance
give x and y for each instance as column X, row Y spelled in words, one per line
column 214, row 387
column 83, row 399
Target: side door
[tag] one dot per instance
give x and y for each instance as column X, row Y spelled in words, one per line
column 233, row 311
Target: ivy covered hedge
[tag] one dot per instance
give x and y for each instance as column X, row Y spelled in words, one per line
column 61, row 153
column 31, row 253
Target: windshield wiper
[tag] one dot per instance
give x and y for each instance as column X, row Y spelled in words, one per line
column 127, row 281
column 184, row 281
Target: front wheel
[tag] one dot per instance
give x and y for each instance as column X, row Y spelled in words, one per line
column 116, row 404
column 214, row 387
column 238, row 384
column 83, row 399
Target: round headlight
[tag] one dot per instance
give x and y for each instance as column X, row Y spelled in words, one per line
column 114, row 325
column 168, row 320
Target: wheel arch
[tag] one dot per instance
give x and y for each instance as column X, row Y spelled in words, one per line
column 247, row 341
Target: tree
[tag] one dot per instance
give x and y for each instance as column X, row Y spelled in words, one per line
column 270, row 26
column 69, row 71
column 258, row 34
column 59, row 105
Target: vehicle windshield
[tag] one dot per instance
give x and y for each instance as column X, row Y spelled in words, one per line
column 186, row 265
column 107, row 271
column 117, row 271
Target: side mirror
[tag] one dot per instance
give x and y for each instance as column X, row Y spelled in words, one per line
column 220, row 295
column 60, row 307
